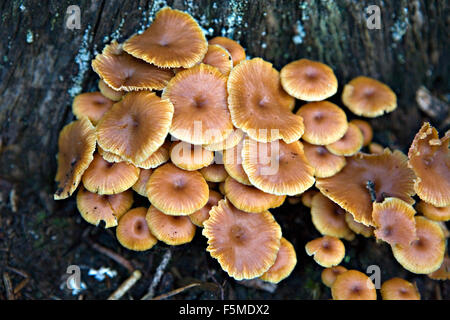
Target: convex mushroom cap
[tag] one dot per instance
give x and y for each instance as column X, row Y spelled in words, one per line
column 432, row 212
column 174, row 39
column 76, row 146
column 327, row 251
column 92, row 105
column 245, row 244
column 235, row 49
column 349, row 144
column 190, row 157
column 177, row 192
column 200, row 216
column 308, row 80
column 329, row 275
column 132, row 231
column 353, row 285
column 368, row 97
column 219, row 57
column 399, row 289
column 284, row 264
column 325, row 163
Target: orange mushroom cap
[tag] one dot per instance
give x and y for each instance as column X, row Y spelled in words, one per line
column 277, row 167
column 104, row 177
column 250, row 199
column 245, row 244
column 443, row 273
column 200, row 216
column 121, row 71
column 329, row 275
column 199, row 97
column 232, row 162
column 235, row 49
column 368, row 97
column 426, row 254
column 353, row 285
column 95, row 208
column 219, row 57
column 109, row 156
column 394, row 221
column 399, row 289
column 366, row 130
column 307, row 197
column 349, row 144
column 388, row 172
column 308, row 80
column 108, row 92
column 133, row 232
column 141, row 184
column 177, row 192
column 258, row 104
column 231, row 141
column 329, row 218
column 432, row 212
column 157, row 158
column 190, row 157
column 327, row 251
column 214, row 173
column 171, row 230
column 376, row 148
column 429, row 157
column 92, row 105
column 357, row 227
column 76, row 146
column 325, row 163
column 135, row 127
column 174, row 39
column 324, row 122
column 284, row 264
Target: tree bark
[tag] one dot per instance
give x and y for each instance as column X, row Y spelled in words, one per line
column 43, row 64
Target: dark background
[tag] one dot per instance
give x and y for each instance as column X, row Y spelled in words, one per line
column 43, row 65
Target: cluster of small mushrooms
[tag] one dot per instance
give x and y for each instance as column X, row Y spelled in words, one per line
column 211, row 139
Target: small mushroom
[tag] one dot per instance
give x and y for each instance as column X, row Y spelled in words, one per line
column 235, row 49
column 190, row 157
column 399, row 289
column 141, row 184
column 214, row 173
column 200, row 216
column 132, row 231
column 284, row 264
column 349, row 144
column 219, row 57
column 329, row 275
column 325, row 163
column 327, row 251
column 432, row 212
column 353, row 285
column 92, row 105
column 366, row 130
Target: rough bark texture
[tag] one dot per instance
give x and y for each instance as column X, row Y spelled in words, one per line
column 43, row 65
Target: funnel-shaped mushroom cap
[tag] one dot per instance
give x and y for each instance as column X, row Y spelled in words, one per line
column 327, row 251
column 177, row 192
column 122, row 71
column 160, row 156
column 92, row 105
column 329, row 218
column 432, row 212
column 250, row 199
column 200, row 216
column 357, row 227
column 174, row 39
column 133, row 232
column 199, row 97
column 232, row 161
column 141, row 184
column 308, row 80
column 329, row 275
column 190, row 157
column 171, row 230
column 258, row 104
column 324, row 122
column 387, row 173
column 284, row 264
column 325, row 163
column 277, row 167
column 136, row 126
column 214, row 173
column 399, row 289
column 76, row 146
column 368, row 97
column 235, row 49
column 353, row 285
column 245, row 244
column 424, row 255
column 231, row 141
column 219, row 57
column 95, row 208
column 394, row 221
column 104, row 177
column 366, row 130
column 307, row 197
column 349, row 144
column 429, row 157
column 443, row 273
column 109, row 92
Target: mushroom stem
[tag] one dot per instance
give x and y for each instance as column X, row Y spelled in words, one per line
column 370, row 185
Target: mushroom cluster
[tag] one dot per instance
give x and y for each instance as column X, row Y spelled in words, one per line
column 211, row 138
